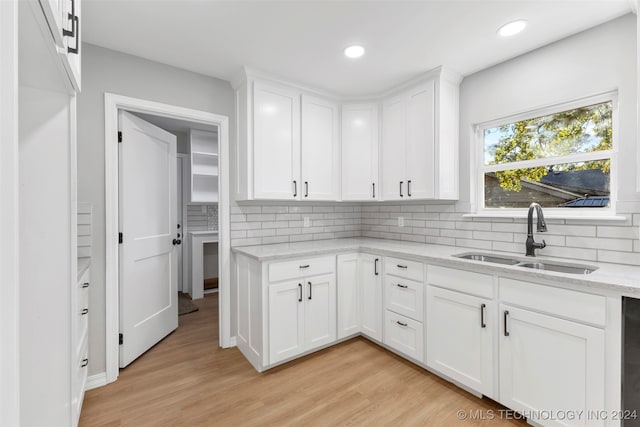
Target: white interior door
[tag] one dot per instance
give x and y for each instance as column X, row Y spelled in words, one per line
column 147, row 218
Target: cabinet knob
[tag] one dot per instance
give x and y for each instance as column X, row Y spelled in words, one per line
column 84, row 311
column 85, row 285
column 401, row 323
column 84, row 363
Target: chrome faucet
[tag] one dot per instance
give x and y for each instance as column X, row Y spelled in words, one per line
column 531, row 244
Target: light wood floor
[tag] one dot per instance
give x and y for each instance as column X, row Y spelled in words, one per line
column 187, row 380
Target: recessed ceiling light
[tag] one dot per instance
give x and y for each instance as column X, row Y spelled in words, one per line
column 512, row 28
column 354, row 51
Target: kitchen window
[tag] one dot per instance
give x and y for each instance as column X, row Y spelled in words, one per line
column 561, row 157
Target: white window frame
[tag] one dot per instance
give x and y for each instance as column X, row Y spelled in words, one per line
column 479, row 168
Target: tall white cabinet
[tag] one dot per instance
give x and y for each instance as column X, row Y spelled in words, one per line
column 52, row 344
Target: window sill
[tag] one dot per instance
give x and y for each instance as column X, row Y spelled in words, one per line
column 547, row 215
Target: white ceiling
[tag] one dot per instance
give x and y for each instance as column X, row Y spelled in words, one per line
column 303, row 40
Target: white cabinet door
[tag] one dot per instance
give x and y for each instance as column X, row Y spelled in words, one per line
column 286, row 320
column 394, row 158
column 320, row 311
column 421, row 142
column 348, row 295
column 460, row 336
column 360, row 152
column 370, row 278
column 276, row 136
column 54, row 13
column 320, row 156
column 550, row 364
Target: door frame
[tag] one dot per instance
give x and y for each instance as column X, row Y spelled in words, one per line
column 113, row 103
column 186, row 170
column 9, row 235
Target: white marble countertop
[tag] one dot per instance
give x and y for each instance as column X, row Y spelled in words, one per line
column 622, row 279
column 83, row 265
column 201, row 232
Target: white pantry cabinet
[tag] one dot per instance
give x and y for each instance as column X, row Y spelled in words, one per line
column 288, row 143
column 51, row 304
column 360, row 295
column 419, row 153
column 360, row 152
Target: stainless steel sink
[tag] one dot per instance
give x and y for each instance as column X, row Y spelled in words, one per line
column 536, row 265
column 560, row 268
column 489, row 258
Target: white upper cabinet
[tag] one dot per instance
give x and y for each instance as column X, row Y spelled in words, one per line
column 420, row 141
column 276, row 142
column 394, row 149
column 62, row 17
column 292, row 144
column 320, row 150
column 360, row 152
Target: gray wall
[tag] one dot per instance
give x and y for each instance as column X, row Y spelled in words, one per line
column 103, row 71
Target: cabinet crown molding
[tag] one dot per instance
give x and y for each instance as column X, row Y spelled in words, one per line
column 443, row 72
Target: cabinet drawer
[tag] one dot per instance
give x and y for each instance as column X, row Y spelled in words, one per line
column 405, row 297
column 80, row 377
column 404, row 334
column 461, row 281
column 301, row 268
column 402, row 268
column 580, row 306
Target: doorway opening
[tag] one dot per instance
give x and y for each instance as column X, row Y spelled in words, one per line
column 200, row 167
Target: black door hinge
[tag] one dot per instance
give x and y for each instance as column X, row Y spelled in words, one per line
column 120, row 238
column 120, row 339
column 119, row 136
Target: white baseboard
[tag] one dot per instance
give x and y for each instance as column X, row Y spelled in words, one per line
column 95, row 381
column 233, row 342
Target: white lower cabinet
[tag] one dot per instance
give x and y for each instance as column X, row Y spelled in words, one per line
column 286, row 320
column 460, row 332
column 360, row 295
column 534, row 347
column 404, row 334
column 552, row 364
column 348, row 295
column 370, row 279
column 302, row 316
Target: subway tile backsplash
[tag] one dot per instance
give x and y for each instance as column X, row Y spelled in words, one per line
column 262, row 225
column 605, row 241
column 202, row 217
